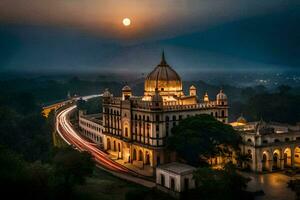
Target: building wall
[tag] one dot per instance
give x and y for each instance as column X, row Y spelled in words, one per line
column 271, row 152
column 179, row 180
column 147, row 129
column 91, row 129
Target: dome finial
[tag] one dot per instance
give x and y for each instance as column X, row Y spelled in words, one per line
column 163, row 60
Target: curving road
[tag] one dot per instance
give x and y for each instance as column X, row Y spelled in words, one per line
column 71, row 137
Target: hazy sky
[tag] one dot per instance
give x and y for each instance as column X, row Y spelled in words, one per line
column 89, row 35
column 170, row 17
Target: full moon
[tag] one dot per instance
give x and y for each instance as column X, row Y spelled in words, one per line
column 126, row 22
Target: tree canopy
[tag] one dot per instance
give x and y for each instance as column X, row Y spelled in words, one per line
column 37, row 180
column 200, row 137
column 73, row 165
column 224, row 183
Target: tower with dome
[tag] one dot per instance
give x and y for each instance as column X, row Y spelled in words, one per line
column 135, row 128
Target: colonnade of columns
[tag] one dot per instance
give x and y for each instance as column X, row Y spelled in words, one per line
column 129, row 153
column 277, row 159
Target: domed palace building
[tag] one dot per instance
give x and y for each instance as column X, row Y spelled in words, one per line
column 135, row 128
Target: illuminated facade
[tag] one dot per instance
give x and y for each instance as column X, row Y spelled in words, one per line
column 174, row 178
column 91, row 127
column 136, row 127
column 270, row 146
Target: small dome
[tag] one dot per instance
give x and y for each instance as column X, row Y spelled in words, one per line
column 241, row 119
column 106, row 93
column 126, row 88
column 206, row 98
column 192, row 87
column 221, row 95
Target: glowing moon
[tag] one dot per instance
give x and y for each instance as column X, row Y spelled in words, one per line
column 126, row 22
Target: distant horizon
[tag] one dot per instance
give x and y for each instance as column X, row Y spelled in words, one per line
column 239, row 78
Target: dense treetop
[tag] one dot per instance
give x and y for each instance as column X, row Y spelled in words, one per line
column 197, row 138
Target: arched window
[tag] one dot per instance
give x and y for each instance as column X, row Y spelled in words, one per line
column 134, row 154
column 108, row 144
column 250, row 153
column 223, row 113
column 140, row 155
column 264, row 162
column 157, row 127
column 114, row 145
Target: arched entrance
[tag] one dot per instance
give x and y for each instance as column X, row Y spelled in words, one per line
column 276, row 160
column 297, row 157
column 249, row 161
column 287, row 156
column 147, row 158
column 265, row 161
column 108, row 144
column 114, row 145
column 140, row 155
column 134, row 154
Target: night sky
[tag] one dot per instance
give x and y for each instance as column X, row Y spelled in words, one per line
column 88, row 36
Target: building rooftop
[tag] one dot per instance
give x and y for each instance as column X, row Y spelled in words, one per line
column 265, row 128
column 177, row 168
column 96, row 118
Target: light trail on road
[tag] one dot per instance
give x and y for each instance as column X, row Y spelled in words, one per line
column 71, row 137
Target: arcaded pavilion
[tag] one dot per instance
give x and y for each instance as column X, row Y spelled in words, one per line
column 135, row 128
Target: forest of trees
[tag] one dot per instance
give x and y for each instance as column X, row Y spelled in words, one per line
column 31, row 168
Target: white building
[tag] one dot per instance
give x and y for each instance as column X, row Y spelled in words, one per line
column 91, row 127
column 270, row 146
column 135, row 128
column 175, row 177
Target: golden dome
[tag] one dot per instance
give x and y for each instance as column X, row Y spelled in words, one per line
column 241, row 119
column 206, row 98
column 165, row 79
